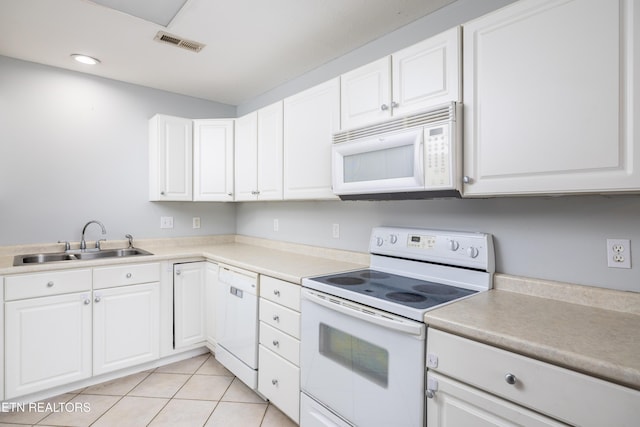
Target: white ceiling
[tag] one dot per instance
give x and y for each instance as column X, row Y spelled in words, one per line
column 252, row 46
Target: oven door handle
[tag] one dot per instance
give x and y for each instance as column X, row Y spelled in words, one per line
column 406, row 326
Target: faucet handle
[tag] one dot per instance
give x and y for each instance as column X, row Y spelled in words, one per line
column 98, row 243
column 67, row 246
column 130, row 237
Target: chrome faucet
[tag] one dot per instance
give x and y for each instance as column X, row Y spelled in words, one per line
column 83, row 243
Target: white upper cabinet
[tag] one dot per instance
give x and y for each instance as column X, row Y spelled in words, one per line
column 421, row 76
column 170, row 158
column 549, row 100
column 310, row 120
column 213, row 160
column 258, row 154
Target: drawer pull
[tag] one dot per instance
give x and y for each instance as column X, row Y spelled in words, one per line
column 50, row 284
column 510, row 378
column 276, row 318
column 274, row 382
column 129, row 275
column 276, row 292
column 276, row 343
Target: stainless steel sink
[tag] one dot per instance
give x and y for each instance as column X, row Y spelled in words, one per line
column 76, row 256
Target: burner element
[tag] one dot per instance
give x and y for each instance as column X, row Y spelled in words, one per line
column 435, row 289
column 405, row 297
column 346, row 280
column 374, row 275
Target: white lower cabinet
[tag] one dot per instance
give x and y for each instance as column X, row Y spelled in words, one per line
column 189, row 303
column 47, row 342
column 279, row 349
column 210, row 291
column 59, row 330
column 126, row 326
column 474, row 384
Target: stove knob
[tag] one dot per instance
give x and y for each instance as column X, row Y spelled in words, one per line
column 453, row 245
column 472, row 252
column 393, row 238
column 379, row 241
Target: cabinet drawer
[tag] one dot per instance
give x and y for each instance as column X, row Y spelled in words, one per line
column 281, row 292
column 280, row 343
column 557, row 392
column 279, row 381
column 45, row 284
column 280, row 317
column 128, row 274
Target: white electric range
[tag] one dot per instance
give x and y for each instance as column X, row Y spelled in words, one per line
column 363, row 336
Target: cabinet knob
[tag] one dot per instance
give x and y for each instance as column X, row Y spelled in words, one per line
column 394, row 104
column 230, row 194
column 87, row 301
column 510, row 378
column 274, row 382
column 162, row 193
column 50, row 284
column 276, row 292
column 276, row 318
column 430, row 393
column 178, row 273
column 384, row 107
column 97, row 299
column 276, row 343
column 467, row 179
column 129, row 275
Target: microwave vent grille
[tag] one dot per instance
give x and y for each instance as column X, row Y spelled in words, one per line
column 442, row 114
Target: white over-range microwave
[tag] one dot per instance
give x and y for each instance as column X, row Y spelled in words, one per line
column 412, row 157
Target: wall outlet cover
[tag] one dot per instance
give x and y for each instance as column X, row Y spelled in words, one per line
column 166, row 222
column 619, row 253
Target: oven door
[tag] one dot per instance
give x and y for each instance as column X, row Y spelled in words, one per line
column 363, row 364
column 380, row 164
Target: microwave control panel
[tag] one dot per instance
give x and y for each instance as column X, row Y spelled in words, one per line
column 438, row 156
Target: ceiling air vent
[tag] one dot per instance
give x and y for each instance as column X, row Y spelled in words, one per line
column 179, row 42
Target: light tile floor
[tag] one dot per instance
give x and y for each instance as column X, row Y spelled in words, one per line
column 192, row 393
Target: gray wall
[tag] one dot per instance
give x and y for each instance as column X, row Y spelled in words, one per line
column 73, row 147
column 559, row 238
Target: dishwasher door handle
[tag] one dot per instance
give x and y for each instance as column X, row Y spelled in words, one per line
column 235, row 291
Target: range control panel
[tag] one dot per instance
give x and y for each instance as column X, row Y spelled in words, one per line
column 463, row 249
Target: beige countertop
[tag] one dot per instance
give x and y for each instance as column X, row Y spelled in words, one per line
column 287, row 261
column 570, row 332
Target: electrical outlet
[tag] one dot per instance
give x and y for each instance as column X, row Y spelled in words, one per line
column 276, row 225
column 336, row 231
column 166, row 222
column 196, row 222
column 619, row 253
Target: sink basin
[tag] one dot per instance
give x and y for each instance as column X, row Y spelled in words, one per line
column 76, row 256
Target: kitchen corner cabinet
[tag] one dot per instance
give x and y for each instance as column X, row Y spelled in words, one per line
column 549, row 102
column 311, row 118
column 279, row 345
column 213, row 160
column 258, row 154
column 48, row 330
column 424, row 75
column 170, row 158
column 189, row 299
column 499, row 388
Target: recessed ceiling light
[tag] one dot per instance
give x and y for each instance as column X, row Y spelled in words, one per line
column 85, row 59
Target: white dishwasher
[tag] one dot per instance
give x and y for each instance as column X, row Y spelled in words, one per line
column 237, row 323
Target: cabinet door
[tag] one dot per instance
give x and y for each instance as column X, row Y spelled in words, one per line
column 548, row 100
column 427, row 74
column 246, row 157
column 170, row 158
column 213, row 160
column 126, row 329
column 47, row 342
column 310, row 120
column 211, row 285
column 270, row 124
column 365, row 94
column 189, row 304
column 456, row 404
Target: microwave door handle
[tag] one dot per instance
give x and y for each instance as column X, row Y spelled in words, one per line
column 418, row 159
column 413, row 328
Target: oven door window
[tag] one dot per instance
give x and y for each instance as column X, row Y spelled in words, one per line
column 362, row 357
